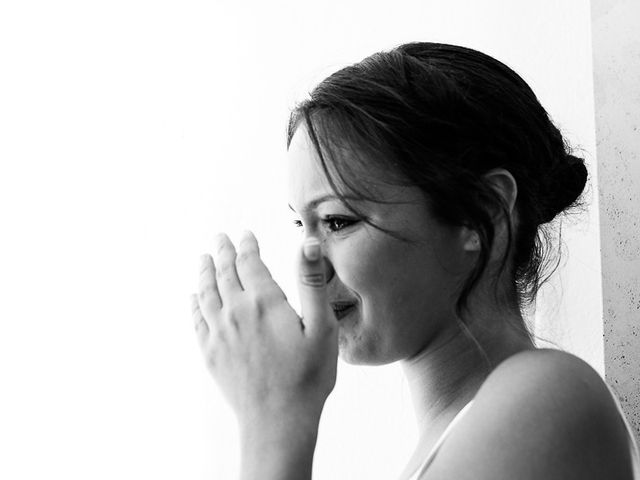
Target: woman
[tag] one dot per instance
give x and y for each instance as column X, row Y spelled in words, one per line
column 423, row 179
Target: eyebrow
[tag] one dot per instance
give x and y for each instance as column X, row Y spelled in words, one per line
column 314, row 203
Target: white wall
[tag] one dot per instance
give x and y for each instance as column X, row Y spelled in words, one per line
column 130, row 133
column 616, row 74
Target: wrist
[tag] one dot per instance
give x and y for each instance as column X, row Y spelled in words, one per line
column 280, row 417
column 278, row 446
column 283, row 428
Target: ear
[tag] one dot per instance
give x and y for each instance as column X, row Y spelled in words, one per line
column 503, row 182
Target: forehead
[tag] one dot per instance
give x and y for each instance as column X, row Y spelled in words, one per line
column 307, row 180
column 305, row 177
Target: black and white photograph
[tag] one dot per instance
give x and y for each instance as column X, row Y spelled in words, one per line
column 338, row 240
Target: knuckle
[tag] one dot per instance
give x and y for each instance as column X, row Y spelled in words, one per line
column 206, row 291
column 225, row 270
column 313, row 279
column 232, row 318
column 195, row 307
column 217, row 339
column 199, row 323
column 258, row 304
column 210, row 306
column 211, row 358
column 244, row 256
column 252, row 308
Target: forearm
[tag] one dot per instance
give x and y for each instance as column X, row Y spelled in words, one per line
column 278, row 447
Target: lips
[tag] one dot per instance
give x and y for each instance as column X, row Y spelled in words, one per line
column 342, row 309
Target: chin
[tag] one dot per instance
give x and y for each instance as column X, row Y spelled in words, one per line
column 355, row 354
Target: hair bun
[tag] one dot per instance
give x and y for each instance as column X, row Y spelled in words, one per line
column 567, row 182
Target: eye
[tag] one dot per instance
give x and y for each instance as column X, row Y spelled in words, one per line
column 336, row 224
column 333, row 224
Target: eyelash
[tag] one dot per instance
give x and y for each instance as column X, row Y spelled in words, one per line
column 328, row 221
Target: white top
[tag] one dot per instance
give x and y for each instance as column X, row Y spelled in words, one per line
column 633, row 447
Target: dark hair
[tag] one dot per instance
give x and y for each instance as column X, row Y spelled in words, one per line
column 438, row 117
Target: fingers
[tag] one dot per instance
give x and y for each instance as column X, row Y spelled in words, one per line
column 208, row 293
column 253, row 273
column 312, row 286
column 199, row 322
column 227, row 278
column 225, row 267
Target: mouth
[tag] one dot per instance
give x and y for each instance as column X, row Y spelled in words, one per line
column 342, row 309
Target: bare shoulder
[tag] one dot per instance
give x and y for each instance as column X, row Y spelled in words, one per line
column 540, row 414
column 546, row 373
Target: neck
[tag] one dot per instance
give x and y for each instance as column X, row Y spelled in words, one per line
column 448, row 372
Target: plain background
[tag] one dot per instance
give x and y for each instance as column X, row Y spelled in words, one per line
column 130, row 133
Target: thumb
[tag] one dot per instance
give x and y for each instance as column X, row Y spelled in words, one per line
column 312, row 286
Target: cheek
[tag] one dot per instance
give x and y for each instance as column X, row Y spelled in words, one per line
column 380, row 267
column 397, row 281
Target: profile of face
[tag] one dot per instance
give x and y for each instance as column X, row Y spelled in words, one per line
column 403, row 294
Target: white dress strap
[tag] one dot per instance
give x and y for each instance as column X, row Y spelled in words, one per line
column 432, row 454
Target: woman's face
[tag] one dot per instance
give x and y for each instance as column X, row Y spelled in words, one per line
column 402, row 293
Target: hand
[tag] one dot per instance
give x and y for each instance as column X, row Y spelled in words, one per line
column 265, row 358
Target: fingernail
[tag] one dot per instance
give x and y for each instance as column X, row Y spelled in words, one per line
column 311, row 249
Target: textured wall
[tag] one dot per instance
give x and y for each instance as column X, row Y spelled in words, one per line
column 616, row 58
